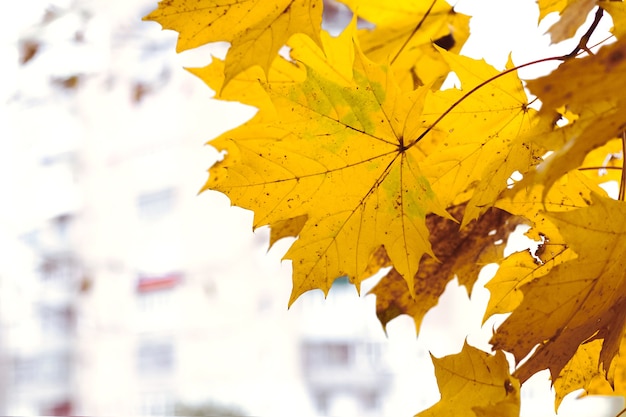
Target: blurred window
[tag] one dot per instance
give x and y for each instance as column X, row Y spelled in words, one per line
column 59, row 268
column 328, row 354
column 25, row 370
column 46, row 368
column 56, row 320
column 155, row 356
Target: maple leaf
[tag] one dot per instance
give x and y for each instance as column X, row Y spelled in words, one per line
column 255, row 29
column 460, row 252
column 578, row 300
column 335, row 153
column 474, row 383
column 503, row 119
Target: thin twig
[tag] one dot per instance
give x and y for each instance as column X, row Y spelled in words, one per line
column 621, row 412
column 582, row 43
column 602, row 41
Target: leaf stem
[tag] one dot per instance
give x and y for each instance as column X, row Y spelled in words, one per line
column 478, row 87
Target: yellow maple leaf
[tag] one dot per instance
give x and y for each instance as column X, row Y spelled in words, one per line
column 577, row 300
column 474, row 383
column 346, row 132
column 335, row 153
column 255, row 29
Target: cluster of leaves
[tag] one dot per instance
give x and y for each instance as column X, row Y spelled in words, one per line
column 357, row 150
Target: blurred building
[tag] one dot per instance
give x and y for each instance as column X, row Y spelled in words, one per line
column 122, row 291
column 344, row 358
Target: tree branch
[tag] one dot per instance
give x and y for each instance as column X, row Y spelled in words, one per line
column 582, row 43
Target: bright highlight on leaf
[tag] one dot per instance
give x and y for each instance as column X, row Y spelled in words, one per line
column 358, row 152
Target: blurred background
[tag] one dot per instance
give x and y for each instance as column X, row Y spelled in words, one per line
column 124, row 292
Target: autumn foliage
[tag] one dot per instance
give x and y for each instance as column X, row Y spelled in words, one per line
column 360, row 150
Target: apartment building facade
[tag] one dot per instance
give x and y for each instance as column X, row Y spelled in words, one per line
column 125, row 291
